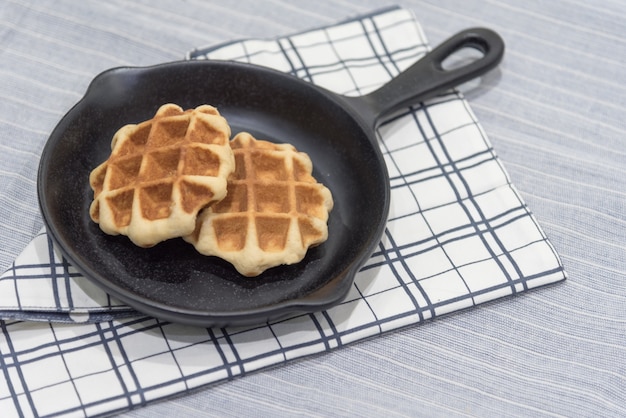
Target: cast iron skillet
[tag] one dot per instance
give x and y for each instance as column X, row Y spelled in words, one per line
column 172, row 281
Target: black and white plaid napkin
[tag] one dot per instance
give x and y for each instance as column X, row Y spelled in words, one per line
column 458, row 235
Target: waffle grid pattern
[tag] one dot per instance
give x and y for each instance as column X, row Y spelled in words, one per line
column 274, row 211
column 161, row 172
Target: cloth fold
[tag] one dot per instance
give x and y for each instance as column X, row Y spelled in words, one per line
column 459, row 234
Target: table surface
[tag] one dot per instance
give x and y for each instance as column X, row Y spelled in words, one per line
column 554, row 113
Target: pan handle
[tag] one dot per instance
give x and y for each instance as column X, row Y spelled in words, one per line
column 427, row 77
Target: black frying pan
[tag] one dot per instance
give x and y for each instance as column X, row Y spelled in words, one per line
column 172, row 281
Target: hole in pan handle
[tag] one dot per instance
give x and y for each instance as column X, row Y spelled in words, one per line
column 427, row 77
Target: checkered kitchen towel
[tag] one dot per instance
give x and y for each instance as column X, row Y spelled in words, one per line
column 458, row 235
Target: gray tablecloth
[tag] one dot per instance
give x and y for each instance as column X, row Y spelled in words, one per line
column 553, row 115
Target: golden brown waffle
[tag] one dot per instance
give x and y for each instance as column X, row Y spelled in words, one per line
column 274, row 211
column 161, row 172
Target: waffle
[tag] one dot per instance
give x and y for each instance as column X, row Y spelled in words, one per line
column 274, row 211
column 160, row 173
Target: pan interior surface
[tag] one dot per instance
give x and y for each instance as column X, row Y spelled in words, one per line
column 171, row 280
